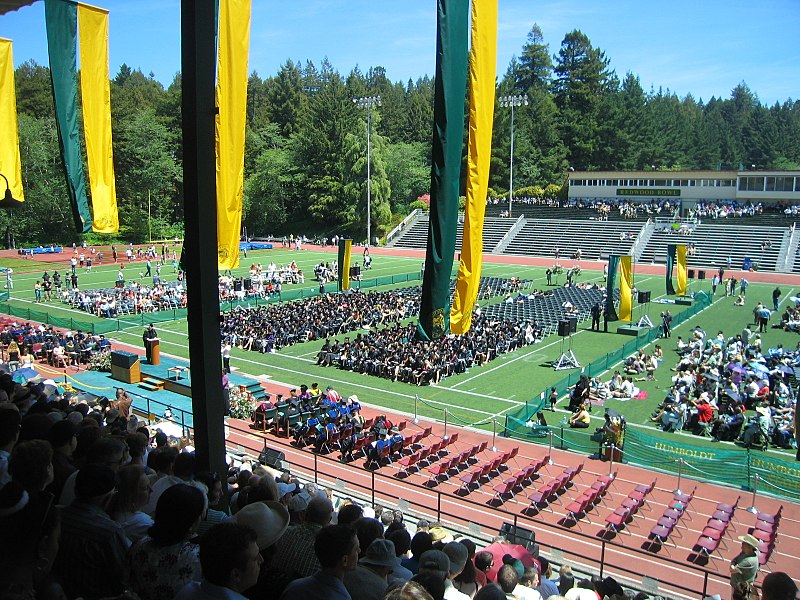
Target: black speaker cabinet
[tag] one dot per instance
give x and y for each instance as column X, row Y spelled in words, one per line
column 563, row 328
column 691, row 273
column 701, row 274
column 643, row 296
column 573, row 324
column 237, row 285
column 120, row 358
column 272, row 458
column 248, row 283
column 355, row 271
column 518, row 535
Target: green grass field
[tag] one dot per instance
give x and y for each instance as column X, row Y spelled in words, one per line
column 473, row 398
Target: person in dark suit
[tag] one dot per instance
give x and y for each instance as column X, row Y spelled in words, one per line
column 149, row 334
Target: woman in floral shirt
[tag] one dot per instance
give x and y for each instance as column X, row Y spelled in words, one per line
column 165, row 560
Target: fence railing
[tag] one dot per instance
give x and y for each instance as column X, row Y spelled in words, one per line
column 473, row 519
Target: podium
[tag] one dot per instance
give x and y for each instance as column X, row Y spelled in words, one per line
column 153, row 351
column 125, row 367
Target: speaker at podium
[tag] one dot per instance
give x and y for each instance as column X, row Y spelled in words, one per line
column 691, row 273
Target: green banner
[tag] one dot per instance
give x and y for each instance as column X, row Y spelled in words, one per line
column 62, row 34
column 448, row 136
column 671, row 253
column 611, row 282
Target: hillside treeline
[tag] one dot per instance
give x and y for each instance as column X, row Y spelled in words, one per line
column 305, row 161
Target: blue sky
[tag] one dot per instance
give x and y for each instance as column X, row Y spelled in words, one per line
column 702, row 47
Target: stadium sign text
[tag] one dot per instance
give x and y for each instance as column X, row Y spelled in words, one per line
column 646, row 192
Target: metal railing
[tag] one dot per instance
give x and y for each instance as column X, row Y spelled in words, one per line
column 471, row 517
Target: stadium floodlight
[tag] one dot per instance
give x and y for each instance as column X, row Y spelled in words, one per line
column 512, row 102
column 368, row 102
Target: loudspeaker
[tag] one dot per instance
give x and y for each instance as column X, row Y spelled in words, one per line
column 120, row 358
column 701, row 274
column 248, row 283
column 563, row 328
column 573, row 324
column 355, row 271
column 691, row 273
column 237, row 285
column 518, row 535
column 272, row 458
column 643, row 296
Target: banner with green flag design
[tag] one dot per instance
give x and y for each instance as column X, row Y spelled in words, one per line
column 61, row 19
column 448, row 134
column 671, row 250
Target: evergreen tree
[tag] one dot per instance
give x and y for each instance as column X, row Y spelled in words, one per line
column 535, row 67
column 581, row 77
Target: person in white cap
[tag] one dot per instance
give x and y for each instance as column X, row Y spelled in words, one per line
column 744, row 567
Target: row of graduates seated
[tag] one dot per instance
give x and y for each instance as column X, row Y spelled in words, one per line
column 396, row 353
column 271, row 327
column 325, row 418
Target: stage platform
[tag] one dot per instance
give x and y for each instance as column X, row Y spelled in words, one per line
column 632, row 329
column 175, row 395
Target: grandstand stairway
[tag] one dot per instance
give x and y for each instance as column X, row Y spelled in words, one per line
column 716, row 243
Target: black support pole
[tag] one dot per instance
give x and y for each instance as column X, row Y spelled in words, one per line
column 200, row 247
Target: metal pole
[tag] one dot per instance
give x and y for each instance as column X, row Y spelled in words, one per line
column 369, row 102
column 494, row 434
column 611, row 458
column 680, row 473
column 511, row 166
column 445, row 424
column 550, row 448
column 753, row 509
column 369, row 183
column 512, row 102
column 416, row 416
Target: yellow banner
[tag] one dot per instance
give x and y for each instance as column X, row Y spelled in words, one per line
column 680, row 260
column 345, row 253
column 96, row 99
column 482, row 72
column 232, row 55
column 625, row 288
column 10, row 163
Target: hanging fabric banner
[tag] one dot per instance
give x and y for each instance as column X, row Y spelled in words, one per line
column 670, row 266
column 681, row 262
column 448, row 130
column 10, row 163
column 232, row 56
column 611, row 283
column 96, row 100
column 61, row 19
column 625, row 288
column 345, row 249
column 482, row 73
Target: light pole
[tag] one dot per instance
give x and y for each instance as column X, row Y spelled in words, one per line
column 512, row 101
column 368, row 102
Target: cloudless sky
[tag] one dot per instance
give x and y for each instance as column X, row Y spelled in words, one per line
column 702, row 47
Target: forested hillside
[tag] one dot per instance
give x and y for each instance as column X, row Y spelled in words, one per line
column 305, row 161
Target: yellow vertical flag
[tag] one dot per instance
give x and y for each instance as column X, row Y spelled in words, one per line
column 482, row 72
column 345, row 253
column 680, row 260
column 10, row 163
column 96, row 99
column 232, row 56
column 625, row 288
